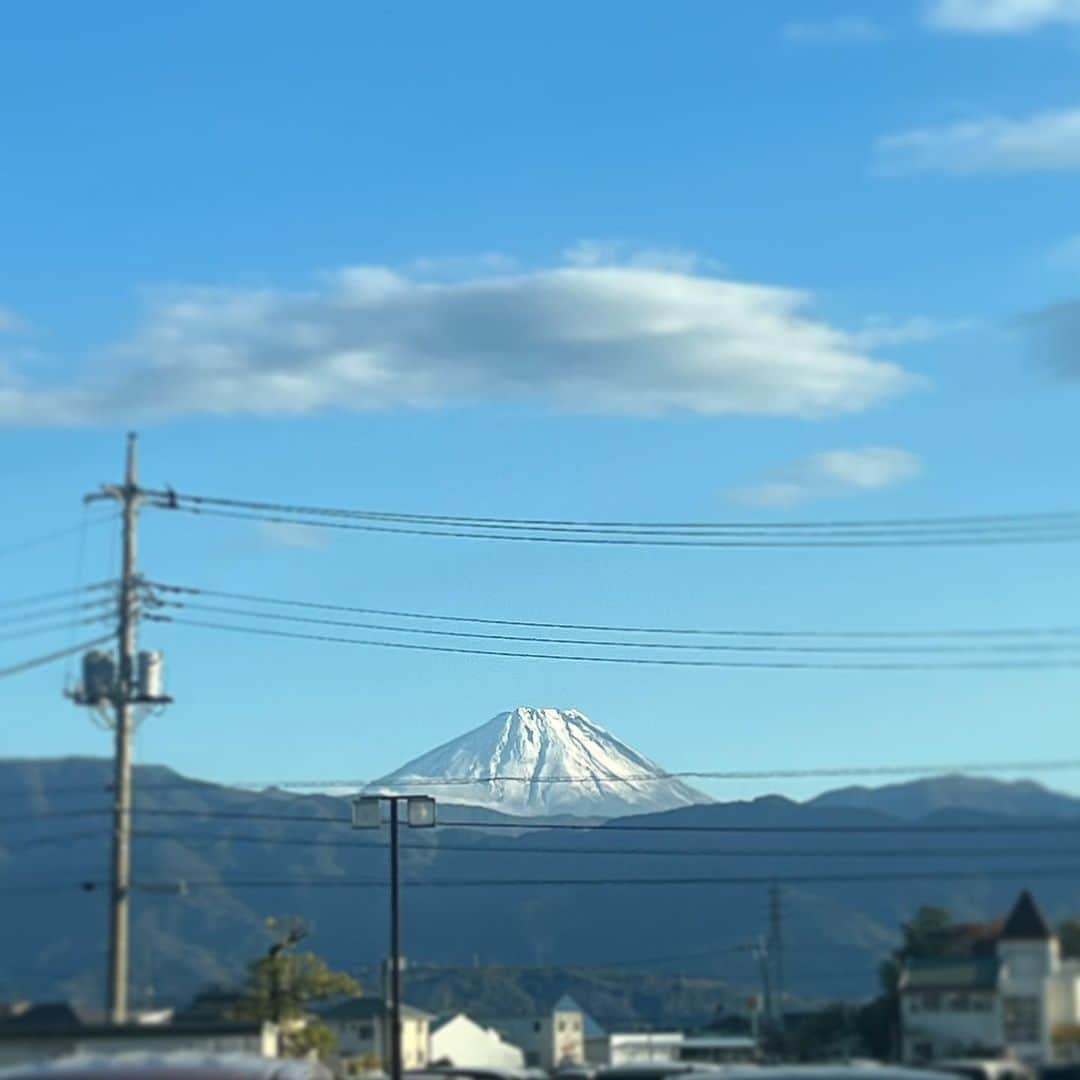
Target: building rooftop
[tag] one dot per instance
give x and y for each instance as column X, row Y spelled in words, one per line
column 1026, row 921
column 950, row 973
column 367, row 1008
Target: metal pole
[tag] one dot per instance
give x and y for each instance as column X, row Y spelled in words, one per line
column 121, row 853
column 395, row 948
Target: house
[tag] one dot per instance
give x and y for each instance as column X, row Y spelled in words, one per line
column 361, row 1027
column 629, row 1047
column 460, row 1041
column 549, row 1041
column 53, row 1030
column 718, row 1050
column 1000, row 989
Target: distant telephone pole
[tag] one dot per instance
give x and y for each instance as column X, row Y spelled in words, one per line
column 776, row 950
column 122, row 687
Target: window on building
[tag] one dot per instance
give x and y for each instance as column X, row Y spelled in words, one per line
column 1023, row 1020
column 536, row 1025
column 562, row 1025
column 931, row 1001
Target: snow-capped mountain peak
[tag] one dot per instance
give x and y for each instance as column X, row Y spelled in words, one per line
column 542, row 761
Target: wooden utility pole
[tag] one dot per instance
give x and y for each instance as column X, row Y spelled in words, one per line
column 119, row 901
column 133, row 679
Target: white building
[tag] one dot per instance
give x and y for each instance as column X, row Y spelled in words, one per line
column 629, row 1047
column 46, row 1032
column 1012, row 994
column 549, row 1041
column 460, row 1041
column 361, row 1028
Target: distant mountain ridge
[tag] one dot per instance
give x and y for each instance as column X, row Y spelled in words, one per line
column 918, row 798
column 520, row 762
column 212, row 862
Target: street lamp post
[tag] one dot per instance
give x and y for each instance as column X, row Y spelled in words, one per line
column 419, row 814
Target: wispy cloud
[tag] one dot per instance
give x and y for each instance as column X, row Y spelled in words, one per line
column 880, row 331
column 832, row 473
column 1042, row 142
column 9, row 321
column 598, row 338
column 850, row 29
column 1000, row 16
column 612, row 253
column 289, row 535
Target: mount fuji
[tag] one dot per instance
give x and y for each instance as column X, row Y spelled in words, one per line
column 519, row 762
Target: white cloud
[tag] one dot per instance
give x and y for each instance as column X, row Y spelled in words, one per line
column 1045, row 141
column 1000, row 16
column 290, row 535
column 599, row 339
column 834, row 472
column 612, row 253
column 850, row 29
column 881, row 331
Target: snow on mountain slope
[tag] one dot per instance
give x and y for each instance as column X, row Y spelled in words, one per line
column 539, row 746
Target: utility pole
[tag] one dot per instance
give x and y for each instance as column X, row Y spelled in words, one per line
column 395, row 947
column 120, row 899
column 776, row 952
column 132, row 679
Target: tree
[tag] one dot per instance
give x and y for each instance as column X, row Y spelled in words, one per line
column 281, row 984
column 926, row 934
column 1069, row 937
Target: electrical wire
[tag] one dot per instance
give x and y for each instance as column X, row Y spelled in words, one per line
column 651, row 661
column 974, row 538
column 56, row 534
column 824, row 772
column 308, row 882
column 64, row 609
column 438, row 848
column 1069, row 827
column 48, row 658
column 1061, row 516
column 937, row 648
column 26, row 601
column 1050, row 631
column 352, row 785
column 52, row 628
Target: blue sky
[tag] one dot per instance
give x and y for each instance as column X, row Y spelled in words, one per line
column 620, row 260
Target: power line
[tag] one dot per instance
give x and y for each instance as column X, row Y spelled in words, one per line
column 1066, row 516
column 52, row 628
column 57, row 534
column 39, row 661
column 1051, row 631
column 936, row 648
column 25, row 601
column 650, row 661
column 308, row 882
column 341, row 787
column 823, row 772
column 49, row 612
column 496, row 849
column 623, row 826
column 973, row 538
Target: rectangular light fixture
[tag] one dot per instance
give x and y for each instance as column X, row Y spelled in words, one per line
column 367, row 812
column 420, row 811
